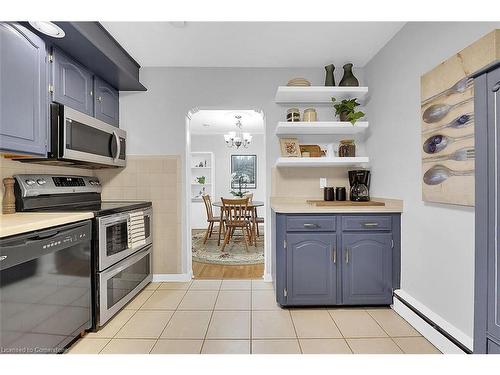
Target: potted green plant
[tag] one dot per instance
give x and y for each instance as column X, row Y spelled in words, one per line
column 242, row 180
column 346, row 110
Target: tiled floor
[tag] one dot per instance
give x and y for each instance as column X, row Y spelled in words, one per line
column 241, row 316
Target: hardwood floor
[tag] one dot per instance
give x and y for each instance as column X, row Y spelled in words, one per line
column 218, row 271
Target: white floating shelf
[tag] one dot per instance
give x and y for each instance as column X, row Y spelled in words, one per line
column 196, row 184
column 322, row 162
column 201, row 167
column 320, row 128
column 318, row 94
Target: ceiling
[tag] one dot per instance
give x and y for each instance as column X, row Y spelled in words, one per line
column 223, row 121
column 252, row 44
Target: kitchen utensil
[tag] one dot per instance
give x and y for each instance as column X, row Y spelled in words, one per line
column 320, row 203
column 463, row 154
column 437, row 112
column 359, row 181
column 439, row 142
column 439, row 173
column 9, row 199
column 310, row 115
column 460, row 122
column 293, row 115
column 458, row 88
column 347, row 148
column 340, row 193
column 314, row 150
column 329, row 193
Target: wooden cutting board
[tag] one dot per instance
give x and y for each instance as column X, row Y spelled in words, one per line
column 345, row 203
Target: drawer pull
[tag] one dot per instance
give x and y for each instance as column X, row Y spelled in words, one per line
column 310, row 225
column 371, row 224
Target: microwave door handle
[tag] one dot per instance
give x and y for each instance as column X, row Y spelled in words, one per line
column 117, row 141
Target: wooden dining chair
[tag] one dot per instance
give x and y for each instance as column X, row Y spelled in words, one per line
column 236, row 215
column 211, row 220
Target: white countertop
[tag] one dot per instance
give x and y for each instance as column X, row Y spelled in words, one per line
column 300, row 205
column 23, row 222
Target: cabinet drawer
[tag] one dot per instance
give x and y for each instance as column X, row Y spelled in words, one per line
column 310, row 224
column 366, row 223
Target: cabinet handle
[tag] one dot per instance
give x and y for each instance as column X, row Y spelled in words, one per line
column 371, row 224
column 334, row 255
column 99, row 98
column 346, row 255
column 310, row 225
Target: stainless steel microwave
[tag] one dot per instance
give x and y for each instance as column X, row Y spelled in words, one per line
column 77, row 139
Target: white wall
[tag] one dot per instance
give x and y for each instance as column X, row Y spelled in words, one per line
column 437, row 240
column 155, row 119
column 222, row 155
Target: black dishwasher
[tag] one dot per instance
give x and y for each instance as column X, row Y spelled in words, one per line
column 45, row 289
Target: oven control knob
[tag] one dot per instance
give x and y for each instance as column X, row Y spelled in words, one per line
column 30, row 182
column 41, row 181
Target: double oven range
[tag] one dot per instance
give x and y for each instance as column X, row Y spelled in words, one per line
column 122, row 243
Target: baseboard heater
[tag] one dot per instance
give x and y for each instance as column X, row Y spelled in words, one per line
column 434, row 325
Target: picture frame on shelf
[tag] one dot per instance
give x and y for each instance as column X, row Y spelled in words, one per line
column 290, row 147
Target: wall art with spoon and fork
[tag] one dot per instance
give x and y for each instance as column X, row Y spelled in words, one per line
column 447, row 130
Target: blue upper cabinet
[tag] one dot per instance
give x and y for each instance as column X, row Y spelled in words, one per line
column 23, row 91
column 72, row 83
column 367, row 268
column 106, row 103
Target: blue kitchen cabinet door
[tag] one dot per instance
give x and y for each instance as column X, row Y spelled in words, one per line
column 367, row 268
column 72, row 83
column 493, row 82
column 311, row 269
column 23, row 91
column 106, row 102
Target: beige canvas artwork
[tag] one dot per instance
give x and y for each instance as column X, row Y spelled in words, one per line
column 447, row 125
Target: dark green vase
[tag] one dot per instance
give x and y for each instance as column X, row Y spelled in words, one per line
column 329, row 78
column 348, row 79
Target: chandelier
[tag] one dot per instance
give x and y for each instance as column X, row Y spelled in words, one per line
column 234, row 139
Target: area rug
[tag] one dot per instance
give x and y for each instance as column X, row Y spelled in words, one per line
column 234, row 253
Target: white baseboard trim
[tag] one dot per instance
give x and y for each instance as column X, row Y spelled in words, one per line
column 172, row 277
column 268, row 278
column 430, row 333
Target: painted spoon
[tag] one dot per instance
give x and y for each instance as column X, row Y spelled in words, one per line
column 438, row 142
column 458, row 88
column 458, row 123
column 439, row 173
column 437, row 112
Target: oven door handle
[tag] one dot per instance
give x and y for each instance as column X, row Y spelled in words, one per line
column 113, row 270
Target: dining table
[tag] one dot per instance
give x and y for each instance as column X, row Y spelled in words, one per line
column 253, row 205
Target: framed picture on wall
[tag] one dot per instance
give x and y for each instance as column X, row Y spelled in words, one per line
column 244, row 166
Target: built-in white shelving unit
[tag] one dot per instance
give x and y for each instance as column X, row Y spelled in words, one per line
column 318, row 94
column 358, row 161
column 207, row 170
column 320, row 128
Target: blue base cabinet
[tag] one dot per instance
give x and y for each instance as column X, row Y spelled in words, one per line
column 367, row 268
column 336, row 259
column 310, row 262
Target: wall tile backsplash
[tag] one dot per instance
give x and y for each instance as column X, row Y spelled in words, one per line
column 156, row 179
column 150, row 178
